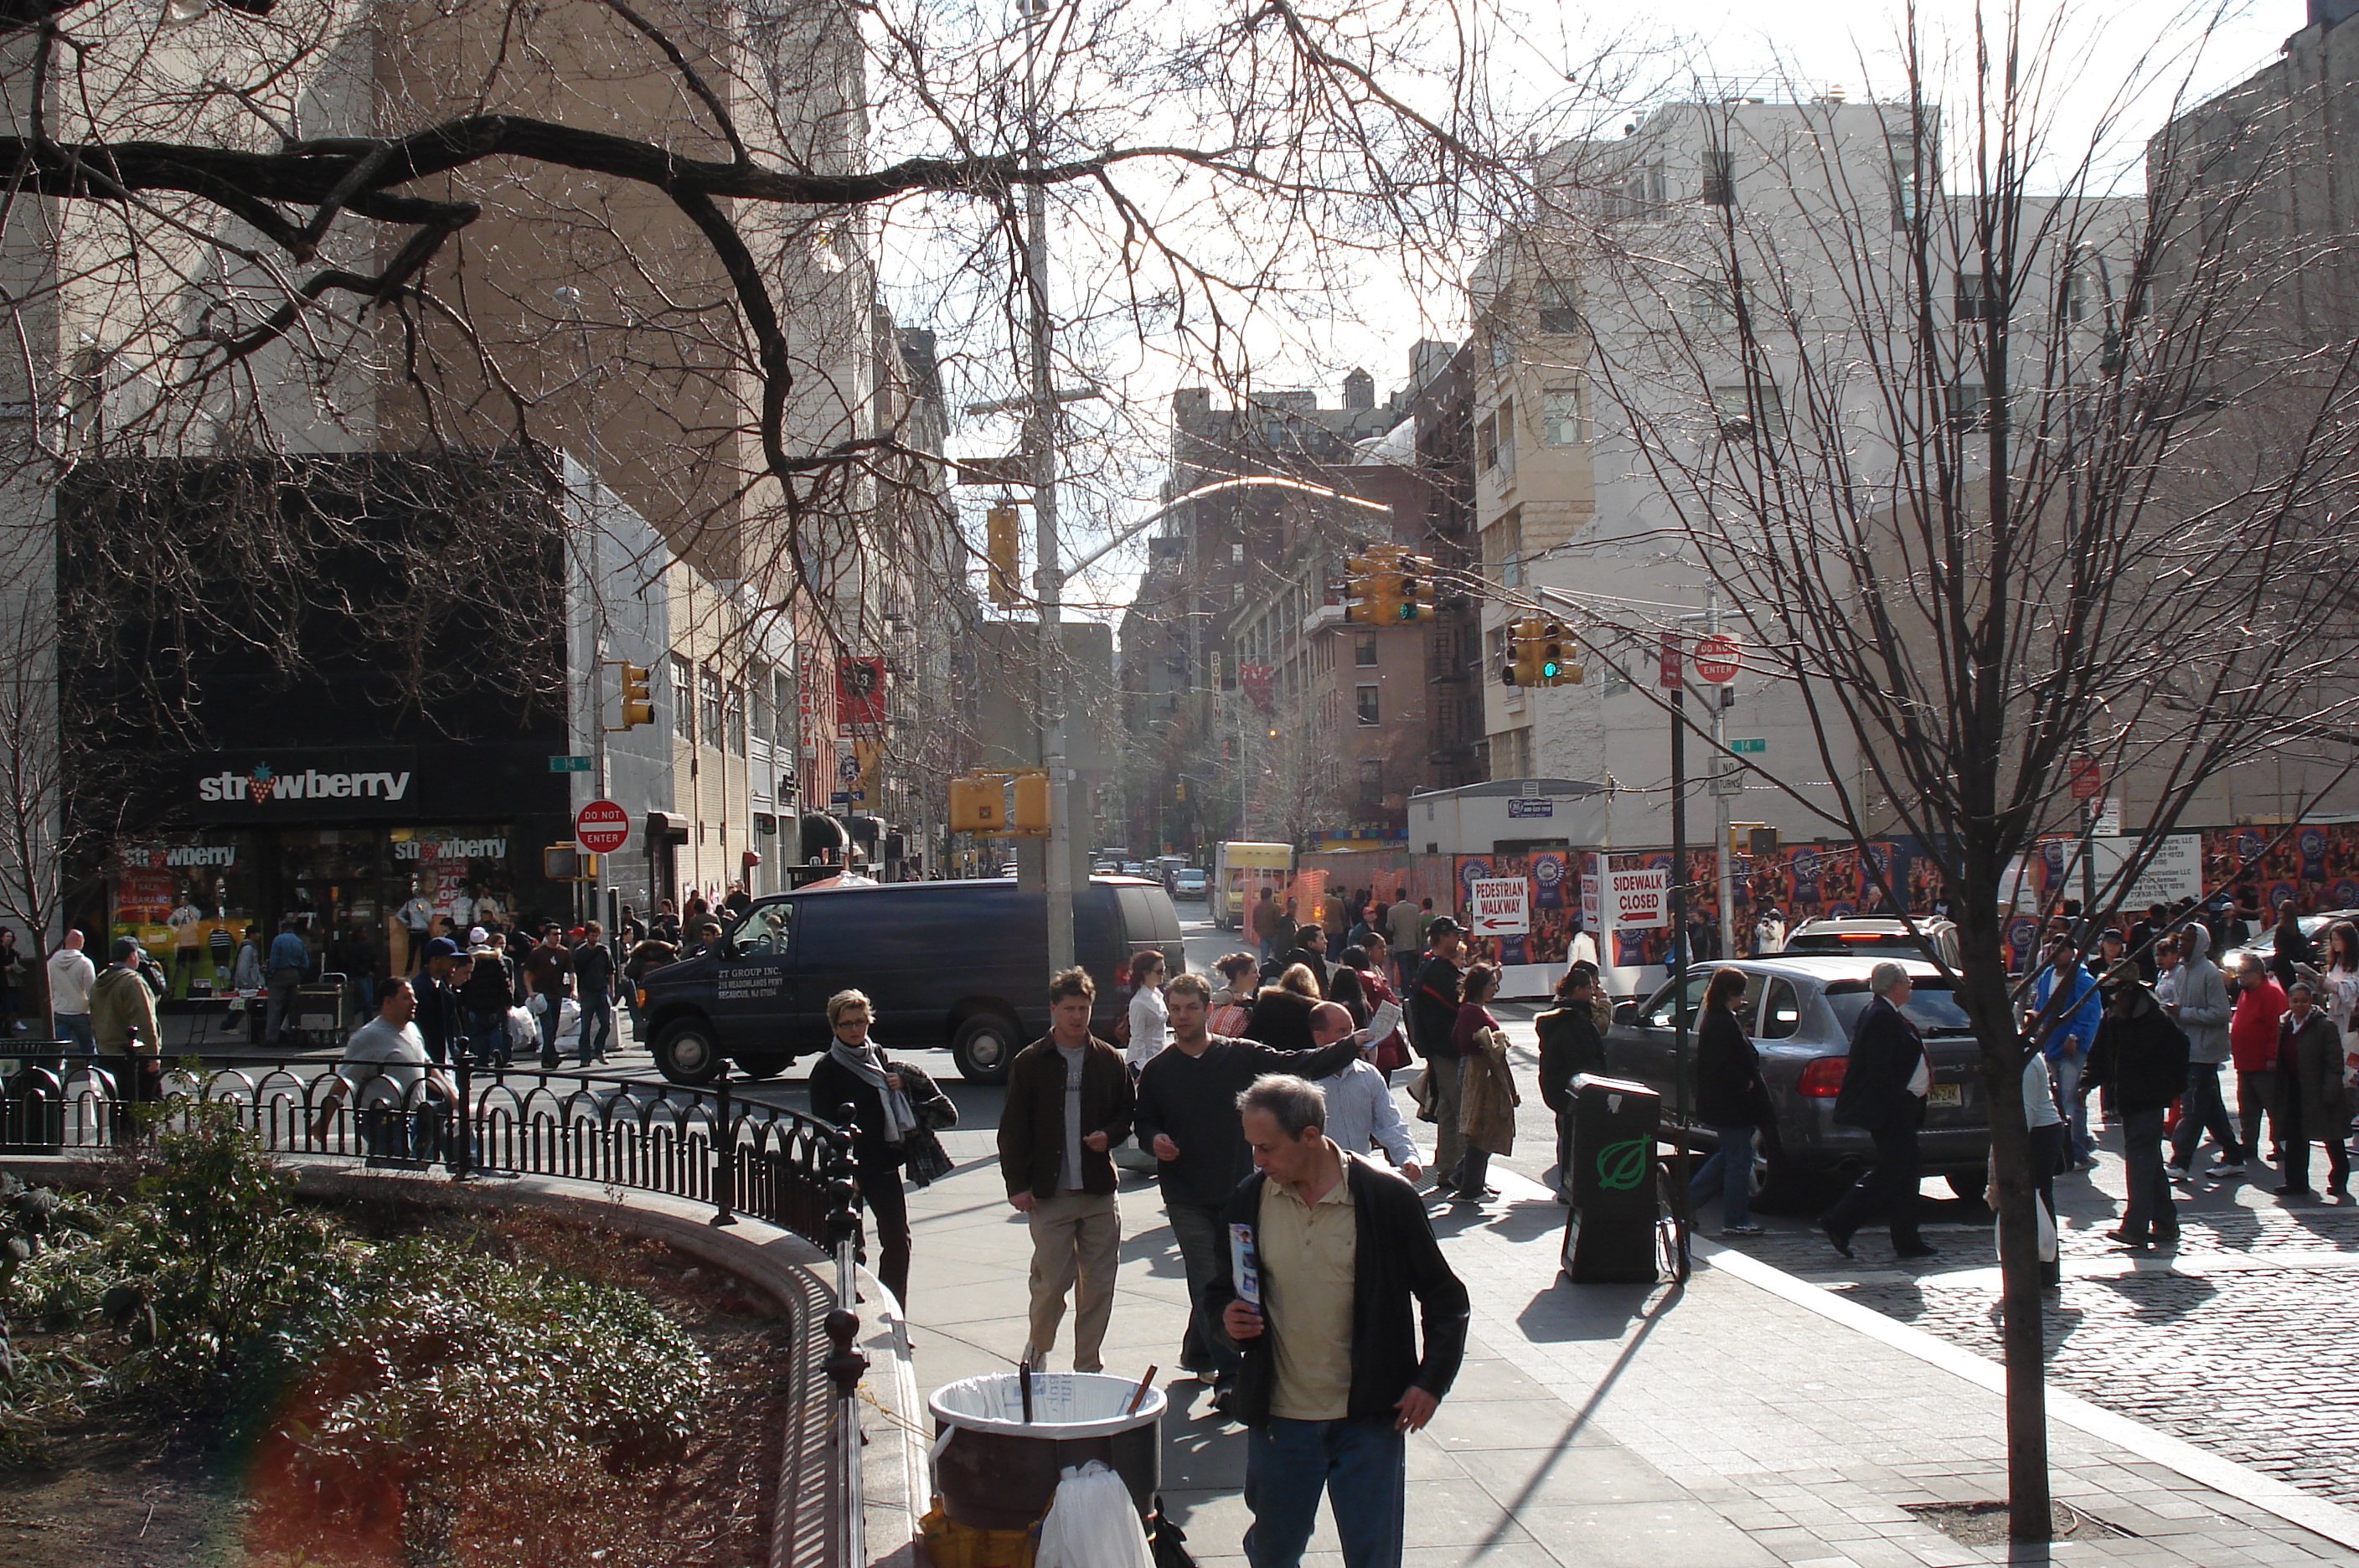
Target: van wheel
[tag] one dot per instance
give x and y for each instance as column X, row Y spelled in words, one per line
column 765, row 1064
column 984, row 1046
column 687, row 1053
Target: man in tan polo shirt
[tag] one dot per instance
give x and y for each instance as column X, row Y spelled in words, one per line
column 1332, row 1380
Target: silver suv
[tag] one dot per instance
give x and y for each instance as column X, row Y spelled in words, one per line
column 1800, row 1011
column 1879, row 934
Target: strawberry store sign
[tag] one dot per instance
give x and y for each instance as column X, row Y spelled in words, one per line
column 374, row 782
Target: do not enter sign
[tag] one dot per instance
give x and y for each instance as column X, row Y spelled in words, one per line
column 601, row 827
column 1717, row 659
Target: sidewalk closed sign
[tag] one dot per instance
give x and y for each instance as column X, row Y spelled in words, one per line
column 1501, row 906
column 1642, row 898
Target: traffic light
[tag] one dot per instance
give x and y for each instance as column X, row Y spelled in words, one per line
column 978, row 804
column 1031, row 813
column 1000, row 536
column 638, row 707
column 1372, row 586
column 1412, row 596
column 1555, row 661
column 1523, row 665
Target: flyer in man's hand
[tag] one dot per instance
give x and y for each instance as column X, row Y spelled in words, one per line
column 1245, row 1265
column 1387, row 1019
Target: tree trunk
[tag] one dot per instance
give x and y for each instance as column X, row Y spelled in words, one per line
column 1984, row 995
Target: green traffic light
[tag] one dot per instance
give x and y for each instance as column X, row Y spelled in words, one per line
column 1551, row 668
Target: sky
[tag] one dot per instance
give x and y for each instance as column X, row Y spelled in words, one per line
column 2112, row 71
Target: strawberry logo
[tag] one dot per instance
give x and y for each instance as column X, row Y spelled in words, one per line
column 258, row 786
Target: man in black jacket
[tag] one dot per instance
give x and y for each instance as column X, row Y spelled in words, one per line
column 1069, row 1101
column 1331, row 1379
column 1187, row 1117
column 1570, row 1044
column 1432, row 1016
column 1884, row 1091
column 2141, row 1055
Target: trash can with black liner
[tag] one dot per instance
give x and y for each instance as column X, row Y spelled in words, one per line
column 1609, row 1236
column 995, row 1470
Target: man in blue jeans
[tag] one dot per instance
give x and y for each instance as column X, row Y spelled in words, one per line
column 593, row 980
column 1332, row 1380
column 2066, row 1029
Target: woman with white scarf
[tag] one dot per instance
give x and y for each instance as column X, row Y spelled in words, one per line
column 855, row 1073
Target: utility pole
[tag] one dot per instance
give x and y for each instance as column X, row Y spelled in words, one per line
column 1041, row 437
column 1725, row 779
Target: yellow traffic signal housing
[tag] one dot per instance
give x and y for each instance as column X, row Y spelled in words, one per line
column 1031, row 813
column 1359, row 588
column 1000, row 537
column 1523, row 665
column 979, row 805
column 638, row 708
column 1555, row 659
column 1412, row 580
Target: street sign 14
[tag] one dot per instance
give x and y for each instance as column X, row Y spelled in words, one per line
column 1749, row 746
column 602, row 827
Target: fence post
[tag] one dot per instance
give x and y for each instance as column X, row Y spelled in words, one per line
column 461, row 1160
column 725, row 1154
column 846, row 1365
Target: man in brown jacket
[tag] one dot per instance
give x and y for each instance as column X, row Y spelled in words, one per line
column 1068, row 1102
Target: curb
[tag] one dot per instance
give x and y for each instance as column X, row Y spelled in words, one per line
column 2226, row 1477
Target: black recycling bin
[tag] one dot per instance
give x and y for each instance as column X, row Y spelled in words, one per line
column 1609, row 1238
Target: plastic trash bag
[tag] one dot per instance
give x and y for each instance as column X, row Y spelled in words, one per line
column 1092, row 1523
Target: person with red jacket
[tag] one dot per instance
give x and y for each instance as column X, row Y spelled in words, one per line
column 2252, row 1045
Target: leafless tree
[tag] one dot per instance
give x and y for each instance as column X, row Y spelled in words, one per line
column 2003, row 464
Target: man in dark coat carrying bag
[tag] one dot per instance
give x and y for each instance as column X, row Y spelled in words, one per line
column 1884, row 1092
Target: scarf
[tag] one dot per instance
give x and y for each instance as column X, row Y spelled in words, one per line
column 867, row 1064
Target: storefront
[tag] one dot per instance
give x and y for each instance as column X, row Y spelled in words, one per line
column 367, row 850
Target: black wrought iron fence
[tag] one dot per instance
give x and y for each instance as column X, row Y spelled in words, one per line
column 707, row 1145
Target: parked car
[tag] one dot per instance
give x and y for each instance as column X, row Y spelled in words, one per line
column 1801, row 1011
column 1877, row 934
column 961, row 966
column 2264, row 945
column 1189, row 882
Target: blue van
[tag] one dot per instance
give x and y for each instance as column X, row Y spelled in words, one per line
column 961, row 966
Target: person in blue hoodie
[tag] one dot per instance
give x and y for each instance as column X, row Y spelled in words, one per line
column 2070, row 1028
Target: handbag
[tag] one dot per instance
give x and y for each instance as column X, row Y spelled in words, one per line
column 1420, row 1089
column 924, row 1160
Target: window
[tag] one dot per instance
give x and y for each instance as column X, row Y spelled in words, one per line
column 1368, row 704
column 1486, row 443
column 1971, row 405
column 766, row 724
column 1560, row 311
column 1236, row 555
column 1720, row 179
column 708, row 707
column 1901, row 158
column 1503, row 353
column 1781, row 1014
column 1364, row 650
column 732, row 723
column 789, row 720
column 1560, row 416
column 1506, row 440
column 684, row 699
column 1713, row 303
column 1372, row 781
column 763, row 934
column 1978, row 298
column 1744, row 412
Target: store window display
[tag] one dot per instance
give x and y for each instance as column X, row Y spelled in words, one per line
column 186, row 902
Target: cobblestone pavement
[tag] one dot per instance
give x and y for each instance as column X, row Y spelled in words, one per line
column 2261, row 1365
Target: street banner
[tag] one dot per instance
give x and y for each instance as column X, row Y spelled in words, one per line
column 860, row 698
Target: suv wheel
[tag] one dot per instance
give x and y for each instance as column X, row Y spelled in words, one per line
column 984, row 1046
column 764, row 1064
column 686, row 1052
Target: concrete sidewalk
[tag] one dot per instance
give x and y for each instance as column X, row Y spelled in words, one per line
column 1747, row 1421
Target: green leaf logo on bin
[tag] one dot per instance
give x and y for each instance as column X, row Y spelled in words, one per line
column 1622, row 1166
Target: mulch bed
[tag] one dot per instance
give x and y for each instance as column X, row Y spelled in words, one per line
column 132, row 1492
